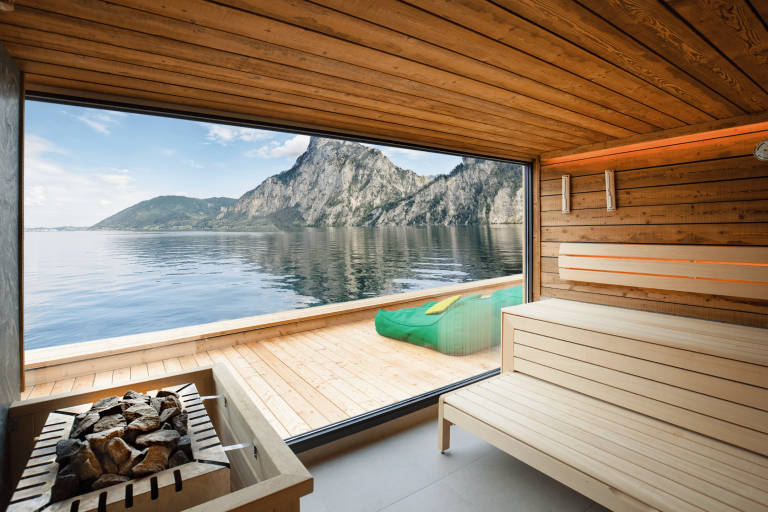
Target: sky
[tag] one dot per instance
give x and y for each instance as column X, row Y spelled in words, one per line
column 82, row 165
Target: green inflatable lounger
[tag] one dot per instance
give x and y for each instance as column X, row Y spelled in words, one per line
column 466, row 326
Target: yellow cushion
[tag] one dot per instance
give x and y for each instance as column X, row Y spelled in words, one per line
column 441, row 306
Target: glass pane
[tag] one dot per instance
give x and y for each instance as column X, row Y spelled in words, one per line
column 175, row 232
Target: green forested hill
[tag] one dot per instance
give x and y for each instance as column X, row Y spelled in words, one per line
column 168, row 212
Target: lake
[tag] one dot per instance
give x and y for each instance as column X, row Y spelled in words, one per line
column 89, row 285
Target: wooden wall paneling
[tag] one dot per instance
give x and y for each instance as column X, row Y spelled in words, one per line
column 553, row 280
column 671, row 308
column 704, row 234
column 725, row 147
column 731, row 289
column 747, row 123
column 704, row 213
column 762, row 10
column 511, row 30
column 581, row 26
column 110, row 23
column 733, row 28
column 660, row 29
column 710, row 191
column 483, row 48
column 682, row 173
column 715, row 192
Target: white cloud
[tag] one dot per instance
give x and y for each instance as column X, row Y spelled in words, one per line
column 56, row 194
column 292, row 149
column 35, row 197
column 169, row 152
column 225, row 135
column 101, row 121
column 193, row 164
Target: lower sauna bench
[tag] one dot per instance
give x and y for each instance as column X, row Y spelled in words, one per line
column 637, row 411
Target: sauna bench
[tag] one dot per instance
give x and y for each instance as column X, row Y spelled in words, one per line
column 638, row 411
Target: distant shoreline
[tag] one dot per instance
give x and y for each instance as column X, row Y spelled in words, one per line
column 246, row 230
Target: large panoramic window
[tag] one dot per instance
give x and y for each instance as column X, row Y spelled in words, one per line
column 136, row 224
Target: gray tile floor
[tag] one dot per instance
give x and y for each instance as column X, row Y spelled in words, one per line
column 406, row 473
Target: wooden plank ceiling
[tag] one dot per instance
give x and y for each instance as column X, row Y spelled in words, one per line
column 508, row 78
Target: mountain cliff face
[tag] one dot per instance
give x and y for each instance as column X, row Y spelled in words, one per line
column 168, row 212
column 475, row 192
column 338, row 183
column 334, row 183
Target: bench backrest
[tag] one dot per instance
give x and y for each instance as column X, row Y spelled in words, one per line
column 730, row 271
column 705, row 376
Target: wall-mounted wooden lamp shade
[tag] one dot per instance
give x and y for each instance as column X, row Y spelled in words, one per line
column 610, row 191
column 566, row 194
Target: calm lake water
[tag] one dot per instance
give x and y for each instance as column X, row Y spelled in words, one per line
column 83, row 286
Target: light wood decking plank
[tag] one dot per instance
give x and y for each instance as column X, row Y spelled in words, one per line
column 62, row 386
column 310, row 379
column 217, row 357
column 370, row 390
column 42, row 390
column 343, row 386
column 188, row 362
column 172, row 365
column 292, row 422
column 323, row 405
column 121, row 375
column 85, row 382
column 385, row 354
column 348, row 406
column 371, row 373
column 408, row 356
column 203, row 359
column 155, row 368
column 24, row 395
column 139, row 372
column 306, row 410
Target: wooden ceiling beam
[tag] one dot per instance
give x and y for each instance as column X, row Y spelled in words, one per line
column 734, row 29
column 207, row 65
column 194, row 75
column 261, row 114
column 121, row 21
column 251, row 105
column 508, row 29
column 657, row 27
column 594, row 34
column 253, row 27
column 368, row 45
column 416, row 35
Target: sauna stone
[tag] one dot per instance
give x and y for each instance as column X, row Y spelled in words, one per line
column 108, row 481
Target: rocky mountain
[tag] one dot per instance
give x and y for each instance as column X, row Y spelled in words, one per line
column 338, row 183
column 475, row 192
column 334, row 183
column 168, row 212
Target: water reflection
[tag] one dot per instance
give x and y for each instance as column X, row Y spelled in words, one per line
column 82, row 286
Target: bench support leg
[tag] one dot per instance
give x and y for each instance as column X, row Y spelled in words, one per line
column 443, row 429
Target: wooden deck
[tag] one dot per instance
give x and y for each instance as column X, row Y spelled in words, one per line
column 307, row 380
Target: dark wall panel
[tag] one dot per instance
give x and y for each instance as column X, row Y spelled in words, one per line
column 10, row 136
